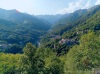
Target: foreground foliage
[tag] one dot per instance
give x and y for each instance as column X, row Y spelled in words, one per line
column 81, row 59
column 86, row 55
column 9, row 63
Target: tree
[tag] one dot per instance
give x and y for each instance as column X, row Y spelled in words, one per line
column 86, row 55
column 31, row 64
column 9, row 63
column 56, row 66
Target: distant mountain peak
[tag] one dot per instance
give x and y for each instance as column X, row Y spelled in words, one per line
column 15, row 10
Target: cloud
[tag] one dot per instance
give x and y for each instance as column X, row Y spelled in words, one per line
column 80, row 4
column 97, row 2
column 87, row 5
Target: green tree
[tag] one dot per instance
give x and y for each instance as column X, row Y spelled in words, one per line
column 56, row 66
column 9, row 63
column 86, row 55
column 31, row 64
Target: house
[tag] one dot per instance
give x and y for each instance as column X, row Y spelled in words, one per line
column 63, row 41
column 66, row 41
column 55, row 37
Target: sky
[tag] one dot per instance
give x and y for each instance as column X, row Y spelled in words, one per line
column 45, row 7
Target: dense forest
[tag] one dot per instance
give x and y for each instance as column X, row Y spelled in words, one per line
column 20, row 28
column 67, row 44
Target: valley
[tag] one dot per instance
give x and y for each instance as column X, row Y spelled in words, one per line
column 50, row 44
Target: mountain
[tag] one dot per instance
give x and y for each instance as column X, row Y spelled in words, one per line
column 71, row 47
column 23, row 19
column 91, row 24
column 50, row 18
column 20, row 28
column 72, row 16
column 74, row 19
column 63, row 22
column 63, row 37
column 53, row 18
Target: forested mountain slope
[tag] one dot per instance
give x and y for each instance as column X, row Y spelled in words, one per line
column 71, row 48
column 74, row 19
column 20, row 28
column 61, row 41
column 25, row 20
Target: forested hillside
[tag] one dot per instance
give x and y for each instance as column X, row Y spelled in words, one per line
column 77, row 17
column 82, row 58
column 20, row 28
column 29, row 45
column 61, row 40
column 25, row 20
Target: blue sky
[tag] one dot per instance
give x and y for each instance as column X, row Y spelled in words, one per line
column 38, row 7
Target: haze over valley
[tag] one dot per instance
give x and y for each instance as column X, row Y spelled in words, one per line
column 50, row 37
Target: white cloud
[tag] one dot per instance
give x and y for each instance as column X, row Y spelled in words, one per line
column 80, row 4
column 97, row 2
column 87, row 5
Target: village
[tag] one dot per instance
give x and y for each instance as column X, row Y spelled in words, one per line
column 63, row 40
